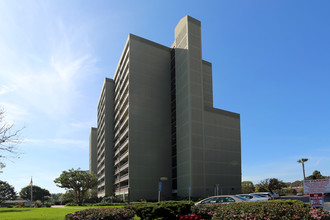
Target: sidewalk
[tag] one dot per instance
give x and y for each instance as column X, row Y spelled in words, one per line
column 326, row 206
column 58, row 206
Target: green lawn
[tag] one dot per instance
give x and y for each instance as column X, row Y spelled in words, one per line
column 39, row 213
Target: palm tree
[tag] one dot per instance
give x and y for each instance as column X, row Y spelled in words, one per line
column 302, row 161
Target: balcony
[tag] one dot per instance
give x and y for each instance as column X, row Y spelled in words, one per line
column 122, row 190
column 122, row 82
column 124, row 59
column 121, row 137
column 121, row 168
column 122, row 118
column 121, row 157
column 101, row 176
column 121, row 147
column 121, row 104
column 102, row 183
column 123, row 89
column 121, row 178
column 120, row 126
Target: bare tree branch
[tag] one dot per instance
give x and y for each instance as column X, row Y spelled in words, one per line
column 9, row 139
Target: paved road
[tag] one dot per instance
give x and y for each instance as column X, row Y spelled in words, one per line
column 306, row 200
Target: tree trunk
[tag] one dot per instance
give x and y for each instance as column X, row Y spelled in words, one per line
column 76, row 196
column 304, row 170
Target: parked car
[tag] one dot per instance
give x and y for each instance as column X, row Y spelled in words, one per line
column 222, row 199
column 264, row 194
column 276, row 195
column 254, row 197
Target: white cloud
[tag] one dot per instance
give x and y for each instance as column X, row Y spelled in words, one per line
column 61, row 141
column 5, row 89
column 13, row 113
column 69, row 141
column 46, row 68
column 86, row 124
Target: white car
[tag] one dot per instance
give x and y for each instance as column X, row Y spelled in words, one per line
column 276, row 195
column 264, row 194
column 222, row 199
column 254, row 197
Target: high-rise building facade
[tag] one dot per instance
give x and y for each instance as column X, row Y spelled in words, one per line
column 160, row 122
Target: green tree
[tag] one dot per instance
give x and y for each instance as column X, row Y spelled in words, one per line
column 247, row 187
column 275, row 185
column 296, row 183
column 7, row 192
column 68, row 196
column 77, row 180
column 38, row 193
column 302, row 161
column 262, row 186
column 271, row 184
column 55, row 196
column 316, row 175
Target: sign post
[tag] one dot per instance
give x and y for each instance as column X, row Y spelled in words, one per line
column 315, row 189
column 159, row 189
column 316, row 199
column 189, row 192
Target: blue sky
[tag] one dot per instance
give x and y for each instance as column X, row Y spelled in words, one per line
column 270, row 64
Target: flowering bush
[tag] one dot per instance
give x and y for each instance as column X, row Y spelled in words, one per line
column 37, row 204
column 190, row 217
column 102, row 213
column 270, row 210
column 19, row 205
column 319, row 214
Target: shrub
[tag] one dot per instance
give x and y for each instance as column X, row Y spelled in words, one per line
column 19, row 205
column 205, row 210
column 48, row 205
column 319, row 214
column 102, row 213
column 112, row 199
column 71, row 204
column 162, row 210
column 190, row 217
column 276, row 209
column 37, row 204
column 108, row 204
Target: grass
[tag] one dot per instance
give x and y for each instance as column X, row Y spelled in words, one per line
column 39, row 213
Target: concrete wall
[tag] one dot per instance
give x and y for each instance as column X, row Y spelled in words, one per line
column 207, row 83
column 183, row 114
column 93, row 151
column 190, row 102
column 222, row 151
column 198, row 165
column 149, row 119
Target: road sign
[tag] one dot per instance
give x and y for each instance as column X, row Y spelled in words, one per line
column 316, row 199
column 159, row 186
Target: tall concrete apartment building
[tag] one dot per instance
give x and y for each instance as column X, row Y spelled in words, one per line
column 156, row 119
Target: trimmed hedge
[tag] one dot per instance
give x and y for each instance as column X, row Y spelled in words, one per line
column 102, row 213
column 162, row 210
column 271, row 210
